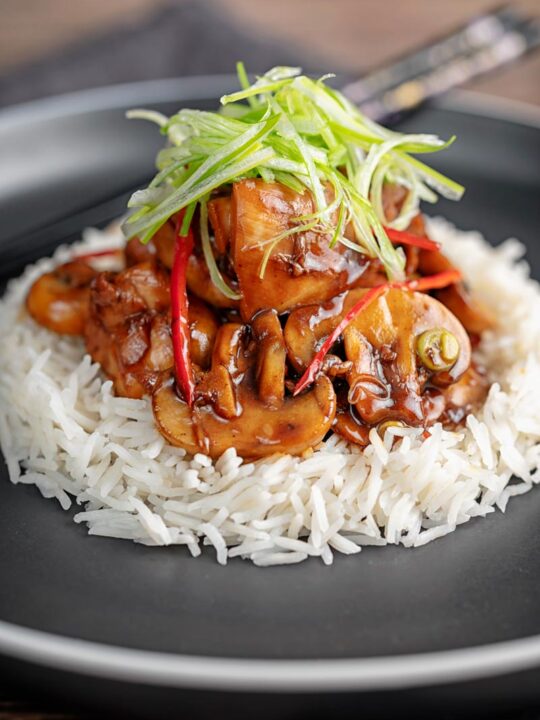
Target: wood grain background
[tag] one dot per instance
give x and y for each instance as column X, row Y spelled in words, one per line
column 348, row 35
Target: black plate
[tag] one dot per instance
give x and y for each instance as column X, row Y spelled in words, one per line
column 463, row 607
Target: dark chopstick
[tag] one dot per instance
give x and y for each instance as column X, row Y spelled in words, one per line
column 484, row 44
column 477, row 33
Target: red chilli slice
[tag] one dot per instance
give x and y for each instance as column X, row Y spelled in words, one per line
column 431, row 282
column 400, row 237
column 179, row 314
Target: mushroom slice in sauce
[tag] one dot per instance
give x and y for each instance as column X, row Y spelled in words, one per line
column 271, row 357
column 254, row 426
column 387, row 378
column 59, row 299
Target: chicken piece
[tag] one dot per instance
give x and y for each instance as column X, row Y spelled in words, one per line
column 117, row 297
column 136, row 252
column 129, row 329
column 59, row 300
column 393, row 198
column 164, row 241
column 117, row 355
column 475, row 315
column 231, row 409
column 301, row 268
column 200, row 284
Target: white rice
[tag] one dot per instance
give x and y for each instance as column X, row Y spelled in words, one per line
column 63, row 430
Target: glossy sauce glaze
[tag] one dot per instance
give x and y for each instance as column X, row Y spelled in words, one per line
column 405, row 359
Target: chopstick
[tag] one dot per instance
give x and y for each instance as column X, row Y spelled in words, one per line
column 482, row 45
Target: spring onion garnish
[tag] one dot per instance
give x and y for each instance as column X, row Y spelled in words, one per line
column 288, row 128
column 430, row 282
column 213, row 269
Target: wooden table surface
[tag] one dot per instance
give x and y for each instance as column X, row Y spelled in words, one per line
column 347, row 35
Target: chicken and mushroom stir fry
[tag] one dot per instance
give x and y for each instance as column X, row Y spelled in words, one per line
column 320, row 342
column 278, row 283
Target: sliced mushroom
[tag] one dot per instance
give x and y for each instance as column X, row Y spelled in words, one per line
column 271, row 357
column 307, row 327
column 218, row 386
column 452, row 404
column 203, row 327
column 299, row 424
column 388, row 377
column 229, row 411
column 464, row 396
column 59, row 300
column 219, row 215
column 137, row 252
column 347, row 424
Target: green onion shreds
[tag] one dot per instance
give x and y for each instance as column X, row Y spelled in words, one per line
column 288, row 128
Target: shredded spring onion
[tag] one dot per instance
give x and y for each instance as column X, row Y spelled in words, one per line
column 213, row 269
column 289, row 128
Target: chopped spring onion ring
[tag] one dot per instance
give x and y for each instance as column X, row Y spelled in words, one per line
column 430, row 282
column 300, row 132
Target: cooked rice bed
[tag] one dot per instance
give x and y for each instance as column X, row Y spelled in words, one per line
column 63, row 430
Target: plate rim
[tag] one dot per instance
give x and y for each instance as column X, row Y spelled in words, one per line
column 258, row 675
column 204, row 86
